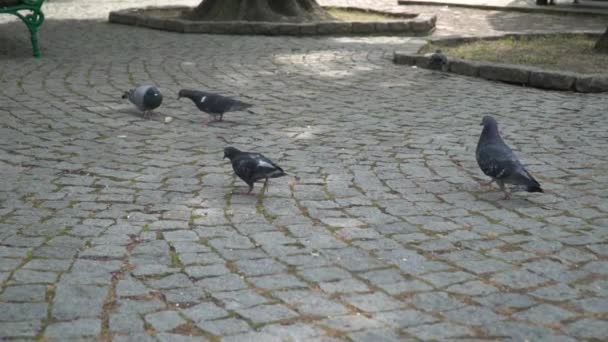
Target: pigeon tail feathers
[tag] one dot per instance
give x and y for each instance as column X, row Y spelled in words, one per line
column 534, row 188
column 533, row 185
column 240, row 106
column 278, row 173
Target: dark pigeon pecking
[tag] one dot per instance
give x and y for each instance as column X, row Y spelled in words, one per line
column 251, row 167
column 145, row 97
column 438, row 61
column 499, row 162
column 213, row 104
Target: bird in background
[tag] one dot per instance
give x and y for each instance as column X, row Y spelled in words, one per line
column 251, row 167
column 438, row 61
column 213, row 104
column 498, row 161
column 145, row 97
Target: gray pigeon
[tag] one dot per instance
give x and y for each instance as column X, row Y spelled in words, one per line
column 213, row 104
column 251, row 167
column 499, row 162
column 145, row 97
column 438, row 61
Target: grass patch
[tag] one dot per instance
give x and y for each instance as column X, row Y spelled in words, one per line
column 358, row 15
column 563, row 52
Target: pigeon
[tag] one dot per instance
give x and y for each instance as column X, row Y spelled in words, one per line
column 438, row 61
column 145, row 98
column 213, row 104
column 499, row 162
column 251, row 167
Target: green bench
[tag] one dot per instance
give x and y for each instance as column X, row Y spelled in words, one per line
column 32, row 16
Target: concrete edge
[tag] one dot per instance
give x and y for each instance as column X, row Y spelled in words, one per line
column 513, row 74
column 414, row 24
column 458, row 39
column 543, row 9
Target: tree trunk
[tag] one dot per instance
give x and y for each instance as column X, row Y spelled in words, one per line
column 259, row 10
column 602, row 43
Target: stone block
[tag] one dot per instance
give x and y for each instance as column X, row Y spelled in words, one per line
column 591, row 84
column 308, row 29
column 421, row 25
column 552, row 80
column 123, row 18
column 152, row 22
column 22, row 311
column 363, row 27
column 267, row 313
column 164, row 320
column 504, row 73
column 404, row 58
column 29, row 328
column 333, row 27
column 422, row 61
column 463, row 67
column 266, row 28
column 175, row 25
column 205, row 311
column 229, row 326
column 197, row 27
column 289, row 29
column 400, row 26
column 381, row 26
column 244, row 27
column 62, row 331
column 221, row 27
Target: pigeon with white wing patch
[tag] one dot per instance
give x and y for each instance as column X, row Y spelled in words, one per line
column 251, row 167
column 499, row 162
column 213, row 104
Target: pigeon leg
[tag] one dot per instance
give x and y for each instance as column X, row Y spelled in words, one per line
column 222, row 117
column 504, row 189
column 487, row 183
column 250, row 189
column 265, row 187
column 214, row 116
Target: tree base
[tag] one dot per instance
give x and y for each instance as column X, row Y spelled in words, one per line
column 259, row 10
column 601, row 45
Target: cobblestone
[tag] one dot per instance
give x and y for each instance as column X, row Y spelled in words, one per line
column 225, row 327
column 126, row 323
column 164, row 320
column 115, row 227
column 267, row 313
column 73, row 329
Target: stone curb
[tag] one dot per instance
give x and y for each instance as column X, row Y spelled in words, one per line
column 524, row 9
column 415, row 24
column 511, row 73
column 456, row 40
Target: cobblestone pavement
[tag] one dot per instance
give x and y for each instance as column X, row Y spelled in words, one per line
column 119, row 228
